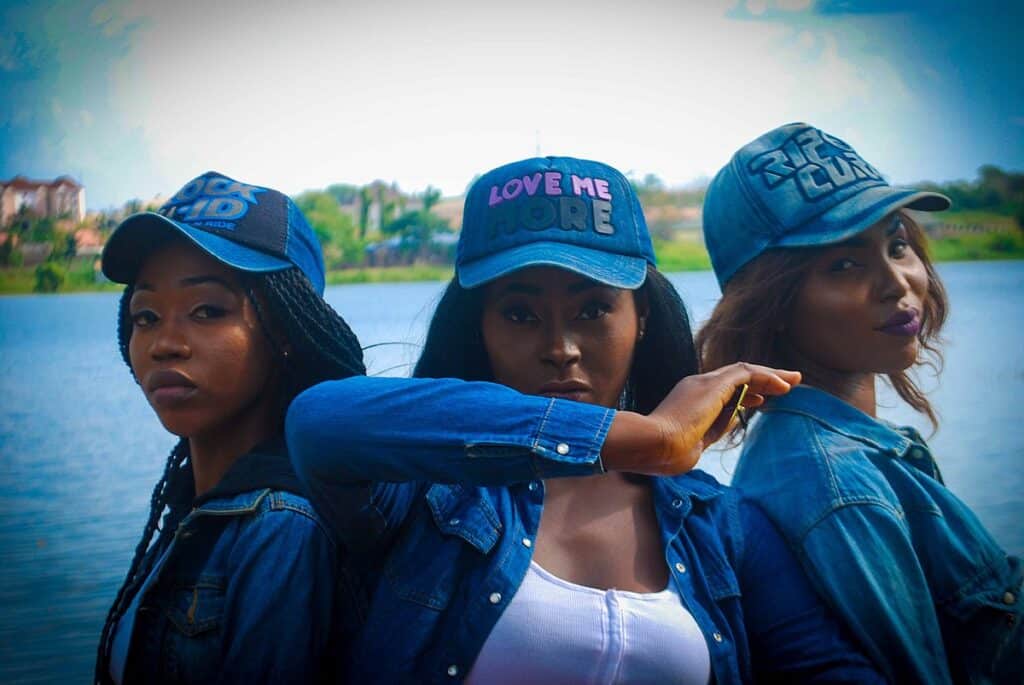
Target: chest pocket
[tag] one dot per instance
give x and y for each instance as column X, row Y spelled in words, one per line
column 198, row 607
column 190, row 645
column 984, row 620
column 446, row 535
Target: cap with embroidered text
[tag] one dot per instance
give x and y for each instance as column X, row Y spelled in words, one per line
column 554, row 211
column 796, row 186
column 247, row 227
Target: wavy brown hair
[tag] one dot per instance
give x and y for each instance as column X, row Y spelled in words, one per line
column 746, row 323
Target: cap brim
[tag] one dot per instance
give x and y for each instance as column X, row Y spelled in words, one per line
column 619, row 271
column 850, row 218
column 139, row 234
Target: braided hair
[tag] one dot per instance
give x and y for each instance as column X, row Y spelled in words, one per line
column 318, row 345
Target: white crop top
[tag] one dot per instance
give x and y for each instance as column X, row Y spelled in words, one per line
column 554, row 631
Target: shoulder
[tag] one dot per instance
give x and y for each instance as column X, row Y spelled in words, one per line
column 800, row 471
column 268, row 514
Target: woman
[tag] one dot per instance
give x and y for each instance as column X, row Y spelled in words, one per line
column 491, row 563
column 823, row 271
column 222, row 322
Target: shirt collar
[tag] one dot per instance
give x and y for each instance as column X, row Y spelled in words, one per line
column 693, row 484
column 842, row 417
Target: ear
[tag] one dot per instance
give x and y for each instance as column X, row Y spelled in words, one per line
column 643, row 309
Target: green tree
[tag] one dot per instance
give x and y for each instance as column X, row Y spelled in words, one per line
column 8, row 255
column 333, row 227
column 65, row 246
column 49, row 277
column 431, row 196
column 365, row 200
column 344, row 193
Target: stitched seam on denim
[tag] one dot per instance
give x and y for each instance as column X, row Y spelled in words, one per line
column 606, row 420
column 281, row 504
column 881, row 504
column 311, row 516
column 543, row 422
column 853, row 436
column 475, row 502
column 987, row 571
column 823, row 459
column 235, row 511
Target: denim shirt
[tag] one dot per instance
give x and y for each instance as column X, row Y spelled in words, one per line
column 448, row 541
column 908, row 567
column 242, row 585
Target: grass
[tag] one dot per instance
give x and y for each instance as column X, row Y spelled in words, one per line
column 390, row 274
column 685, row 253
column 978, row 247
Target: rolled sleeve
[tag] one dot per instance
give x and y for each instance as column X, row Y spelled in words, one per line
column 441, row 430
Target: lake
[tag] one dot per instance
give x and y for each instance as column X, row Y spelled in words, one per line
column 80, row 449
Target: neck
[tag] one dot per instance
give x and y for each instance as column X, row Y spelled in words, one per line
column 853, row 387
column 214, row 452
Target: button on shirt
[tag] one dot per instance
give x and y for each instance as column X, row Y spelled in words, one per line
column 390, row 463
column 906, row 564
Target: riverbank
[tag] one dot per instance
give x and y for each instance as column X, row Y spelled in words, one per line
column 685, row 253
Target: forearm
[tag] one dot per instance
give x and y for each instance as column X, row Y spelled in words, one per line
column 440, row 430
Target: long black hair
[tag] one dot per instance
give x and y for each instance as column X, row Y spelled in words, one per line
column 320, row 346
column 454, row 347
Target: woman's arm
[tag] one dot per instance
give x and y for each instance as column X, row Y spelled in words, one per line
column 364, row 429
column 446, row 430
column 793, row 635
column 861, row 559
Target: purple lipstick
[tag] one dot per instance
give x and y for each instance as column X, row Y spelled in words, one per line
column 904, row 322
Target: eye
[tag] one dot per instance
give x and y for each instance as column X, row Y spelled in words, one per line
column 517, row 313
column 594, row 310
column 143, row 318
column 208, row 311
column 842, row 264
column 898, row 247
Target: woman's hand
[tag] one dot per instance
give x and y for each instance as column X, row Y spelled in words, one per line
column 696, row 413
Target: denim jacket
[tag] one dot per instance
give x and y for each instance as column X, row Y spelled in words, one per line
column 449, row 539
column 242, row 585
column 908, row 567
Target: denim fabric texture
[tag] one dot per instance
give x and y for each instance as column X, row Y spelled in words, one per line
column 247, row 227
column 447, row 542
column 796, row 186
column 240, row 589
column 570, row 213
column 907, row 565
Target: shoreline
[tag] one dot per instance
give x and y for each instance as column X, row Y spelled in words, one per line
column 22, row 282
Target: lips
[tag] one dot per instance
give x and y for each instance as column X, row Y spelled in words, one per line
column 569, row 390
column 903, row 323
column 168, row 388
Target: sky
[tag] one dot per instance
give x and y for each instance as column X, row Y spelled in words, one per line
column 136, row 97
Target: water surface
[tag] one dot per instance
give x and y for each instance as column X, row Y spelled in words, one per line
column 80, row 450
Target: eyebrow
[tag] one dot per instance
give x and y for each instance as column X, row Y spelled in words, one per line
column 206, row 278
column 191, row 281
column 522, row 288
column 573, row 288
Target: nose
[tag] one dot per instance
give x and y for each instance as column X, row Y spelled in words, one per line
column 893, row 282
column 169, row 342
column 560, row 347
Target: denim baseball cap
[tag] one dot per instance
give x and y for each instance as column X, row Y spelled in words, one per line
column 796, row 186
column 554, row 211
column 247, row 227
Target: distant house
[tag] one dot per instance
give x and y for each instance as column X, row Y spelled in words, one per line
column 63, row 195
